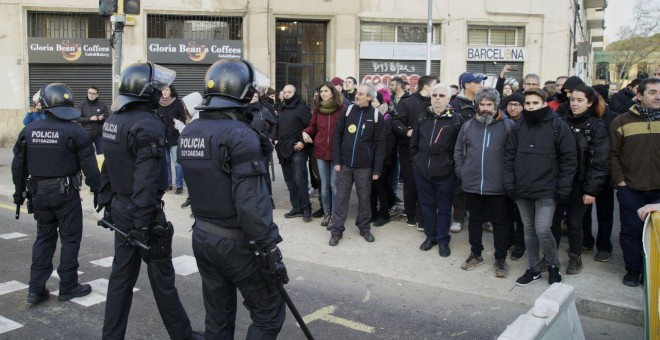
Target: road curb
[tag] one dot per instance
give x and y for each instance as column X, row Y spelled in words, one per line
column 610, row 311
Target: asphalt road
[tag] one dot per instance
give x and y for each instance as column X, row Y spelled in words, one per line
column 337, row 303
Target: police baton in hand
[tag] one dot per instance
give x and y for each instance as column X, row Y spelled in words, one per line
column 261, row 259
column 131, row 240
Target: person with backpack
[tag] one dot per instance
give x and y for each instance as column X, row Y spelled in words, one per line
column 540, row 139
column 432, row 150
column 592, row 146
column 479, row 163
column 358, row 149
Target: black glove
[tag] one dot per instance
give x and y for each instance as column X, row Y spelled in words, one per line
column 107, row 216
column 511, row 193
column 18, row 198
column 274, row 269
column 563, row 199
column 96, row 199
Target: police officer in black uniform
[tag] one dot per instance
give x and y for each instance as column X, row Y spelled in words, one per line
column 56, row 150
column 223, row 162
column 134, row 179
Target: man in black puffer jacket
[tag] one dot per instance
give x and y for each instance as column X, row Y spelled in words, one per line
column 94, row 112
column 624, row 99
column 542, row 139
column 292, row 120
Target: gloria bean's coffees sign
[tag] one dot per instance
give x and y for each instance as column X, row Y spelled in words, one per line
column 69, row 50
column 186, row 51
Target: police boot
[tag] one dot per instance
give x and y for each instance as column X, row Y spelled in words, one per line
column 80, row 290
column 195, row 335
column 34, row 298
column 382, row 218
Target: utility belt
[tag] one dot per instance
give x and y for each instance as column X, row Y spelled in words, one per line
column 232, row 234
column 65, row 183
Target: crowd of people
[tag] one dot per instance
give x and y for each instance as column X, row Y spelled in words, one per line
column 526, row 164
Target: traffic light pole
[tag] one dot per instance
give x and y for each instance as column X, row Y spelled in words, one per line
column 118, row 36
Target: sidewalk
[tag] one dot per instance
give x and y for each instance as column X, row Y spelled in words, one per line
column 395, row 255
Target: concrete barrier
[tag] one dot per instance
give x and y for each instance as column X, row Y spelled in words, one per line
column 651, row 242
column 554, row 316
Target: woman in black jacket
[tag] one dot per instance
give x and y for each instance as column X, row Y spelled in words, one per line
column 592, row 142
column 432, row 150
column 171, row 108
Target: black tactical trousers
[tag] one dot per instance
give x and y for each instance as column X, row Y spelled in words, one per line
column 125, row 272
column 56, row 212
column 225, row 265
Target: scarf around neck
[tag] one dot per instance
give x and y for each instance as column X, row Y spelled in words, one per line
column 327, row 107
column 166, row 101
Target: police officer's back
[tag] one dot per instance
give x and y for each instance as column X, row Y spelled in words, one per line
column 134, row 180
column 223, row 162
column 52, row 152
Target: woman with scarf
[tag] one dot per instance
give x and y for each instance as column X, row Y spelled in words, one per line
column 432, row 150
column 327, row 107
column 171, row 108
column 592, row 142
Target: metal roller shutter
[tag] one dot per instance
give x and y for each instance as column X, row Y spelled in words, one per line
column 413, row 67
column 77, row 77
column 189, row 77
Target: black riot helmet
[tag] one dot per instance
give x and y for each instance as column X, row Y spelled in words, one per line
column 141, row 82
column 57, row 98
column 231, row 83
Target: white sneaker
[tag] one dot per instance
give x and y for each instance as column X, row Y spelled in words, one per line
column 455, row 227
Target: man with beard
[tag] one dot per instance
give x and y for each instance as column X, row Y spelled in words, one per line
column 540, row 138
column 481, row 145
column 292, row 120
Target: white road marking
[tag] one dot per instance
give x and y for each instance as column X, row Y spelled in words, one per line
column 324, row 314
column 367, row 296
column 55, row 275
column 10, row 236
column 7, row 325
column 98, row 294
column 11, row 286
column 185, row 265
column 104, row 262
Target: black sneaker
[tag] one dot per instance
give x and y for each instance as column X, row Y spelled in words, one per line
column 528, row 278
column 517, row 254
column 307, row 215
column 293, row 214
column 79, row 291
column 411, row 222
column 554, row 275
column 603, row 256
column 631, row 279
column 178, row 191
column 334, row 240
column 574, row 264
column 318, row 213
column 186, row 204
column 34, row 298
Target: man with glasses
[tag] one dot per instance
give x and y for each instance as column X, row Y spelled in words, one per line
column 94, row 112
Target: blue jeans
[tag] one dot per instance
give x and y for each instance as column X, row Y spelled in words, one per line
column 98, row 144
column 536, row 215
column 294, row 170
column 435, row 196
column 171, row 155
column 328, row 177
column 630, row 236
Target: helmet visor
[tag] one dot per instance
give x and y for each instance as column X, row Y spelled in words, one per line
column 162, row 77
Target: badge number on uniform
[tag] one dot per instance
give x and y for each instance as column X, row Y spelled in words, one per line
column 49, row 137
column 194, row 147
column 112, row 132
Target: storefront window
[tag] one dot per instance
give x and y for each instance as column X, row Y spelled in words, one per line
column 67, row 25
column 397, row 33
column 194, row 27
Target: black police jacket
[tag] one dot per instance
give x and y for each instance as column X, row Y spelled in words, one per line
column 359, row 139
column 541, row 158
column 223, row 165
column 593, row 151
column 432, row 143
column 55, row 148
column 134, row 147
column 408, row 111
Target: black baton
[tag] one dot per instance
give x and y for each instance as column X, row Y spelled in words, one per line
column 295, row 312
column 106, row 224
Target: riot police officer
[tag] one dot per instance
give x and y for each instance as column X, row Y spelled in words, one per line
column 224, row 168
column 133, row 182
column 52, row 152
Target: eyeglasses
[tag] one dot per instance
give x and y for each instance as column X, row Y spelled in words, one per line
column 513, row 105
column 532, row 84
column 438, row 95
column 92, row 93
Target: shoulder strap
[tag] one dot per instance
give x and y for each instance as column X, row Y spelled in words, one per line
column 556, row 127
column 375, row 115
column 350, row 107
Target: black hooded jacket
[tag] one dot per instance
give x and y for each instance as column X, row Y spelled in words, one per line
column 622, row 100
column 593, row 151
column 408, row 111
column 541, row 139
column 292, row 120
